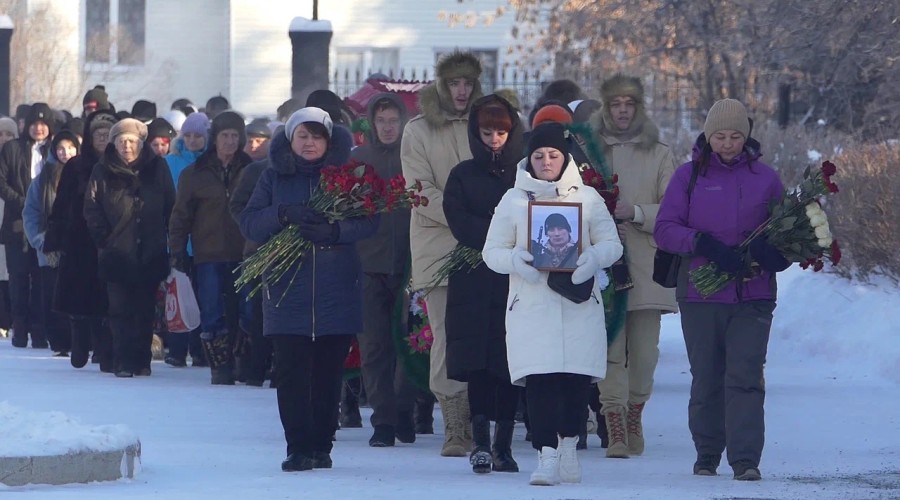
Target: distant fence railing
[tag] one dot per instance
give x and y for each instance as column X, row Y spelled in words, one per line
column 672, row 103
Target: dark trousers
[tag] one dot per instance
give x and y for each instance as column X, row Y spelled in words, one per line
column 56, row 326
column 5, row 313
column 309, row 388
column 25, row 294
column 492, row 396
column 388, row 389
column 556, row 403
column 260, row 346
column 93, row 332
column 220, row 305
column 726, row 347
column 131, row 311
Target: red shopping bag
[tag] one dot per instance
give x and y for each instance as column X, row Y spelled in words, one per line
column 182, row 311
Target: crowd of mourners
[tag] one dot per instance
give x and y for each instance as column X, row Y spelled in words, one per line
column 99, row 208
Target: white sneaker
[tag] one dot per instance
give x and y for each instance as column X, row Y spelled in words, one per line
column 569, row 468
column 547, row 473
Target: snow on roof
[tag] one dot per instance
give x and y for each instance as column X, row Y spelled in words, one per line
column 304, row 24
column 6, row 22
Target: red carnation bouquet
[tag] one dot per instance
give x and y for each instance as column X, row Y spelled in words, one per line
column 797, row 227
column 352, row 190
column 608, row 190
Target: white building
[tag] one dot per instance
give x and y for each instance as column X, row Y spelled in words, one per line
column 161, row 50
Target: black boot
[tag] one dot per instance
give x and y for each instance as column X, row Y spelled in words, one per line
column 81, row 342
column 502, row 449
column 406, row 427
column 350, row 417
column 602, row 431
column 296, row 462
column 582, row 433
column 382, row 437
column 480, row 459
column 220, row 357
column 425, row 414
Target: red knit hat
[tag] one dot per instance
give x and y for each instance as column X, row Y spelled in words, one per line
column 551, row 113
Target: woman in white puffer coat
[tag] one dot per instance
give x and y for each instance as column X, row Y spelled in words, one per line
column 556, row 347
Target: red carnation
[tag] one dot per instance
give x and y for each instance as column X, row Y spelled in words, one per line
column 828, row 169
column 818, row 265
column 835, row 253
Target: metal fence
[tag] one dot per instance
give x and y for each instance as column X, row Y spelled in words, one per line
column 673, row 104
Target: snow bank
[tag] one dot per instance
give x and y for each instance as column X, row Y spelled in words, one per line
column 30, row 434
column 852, row 326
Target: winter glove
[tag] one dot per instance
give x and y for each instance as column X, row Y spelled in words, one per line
column 178, row 261
column 726, row 258
column 521, row 265
column 293, row 213
column 587, row 266
column 323, row 233
column 768, row 257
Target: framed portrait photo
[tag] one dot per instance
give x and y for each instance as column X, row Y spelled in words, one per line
column 554, row 235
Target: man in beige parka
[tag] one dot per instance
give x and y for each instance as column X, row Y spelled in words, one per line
column 433, row 143
column 630, row 143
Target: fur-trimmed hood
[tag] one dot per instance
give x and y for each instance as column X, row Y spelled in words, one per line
column 435, row 103
column 642, row 132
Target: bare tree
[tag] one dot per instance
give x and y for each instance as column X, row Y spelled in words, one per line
column 840, row 56
column 44, row 67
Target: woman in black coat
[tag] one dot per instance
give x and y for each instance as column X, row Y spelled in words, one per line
column 476, row 299
column 79, row 292
column 127, row 205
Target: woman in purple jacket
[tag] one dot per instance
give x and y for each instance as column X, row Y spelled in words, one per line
column 727, row 333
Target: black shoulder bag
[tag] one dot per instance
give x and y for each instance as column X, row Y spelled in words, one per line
column 666, row 265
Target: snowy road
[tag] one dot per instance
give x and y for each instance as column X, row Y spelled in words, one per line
column 833, row 425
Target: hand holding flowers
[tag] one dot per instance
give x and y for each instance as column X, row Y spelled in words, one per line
column 797, row 229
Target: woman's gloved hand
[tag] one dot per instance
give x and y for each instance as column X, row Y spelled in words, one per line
column 521, row 260
column 726, row 258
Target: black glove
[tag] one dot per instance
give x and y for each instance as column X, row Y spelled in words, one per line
column 323, row 233
column 768, row 257
column 178, row 261
column 726, row 258
column 293, row 213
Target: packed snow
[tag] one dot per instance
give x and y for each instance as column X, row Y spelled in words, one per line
column 833, row 423
column 26, row 433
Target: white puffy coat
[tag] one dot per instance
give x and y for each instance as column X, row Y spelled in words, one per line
column 547, row 333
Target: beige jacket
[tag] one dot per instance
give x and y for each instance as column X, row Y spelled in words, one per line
column 644, row 166
column 433, row 143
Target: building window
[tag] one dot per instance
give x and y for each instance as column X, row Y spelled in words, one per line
column 488, row 58
column 122, row 43
column 366, row 60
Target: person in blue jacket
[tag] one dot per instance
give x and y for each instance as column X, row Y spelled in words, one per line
column 38, row 204
column 312, row 312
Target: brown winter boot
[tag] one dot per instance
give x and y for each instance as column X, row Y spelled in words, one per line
column 615, row 427
column 455, row 410
column 635, row 428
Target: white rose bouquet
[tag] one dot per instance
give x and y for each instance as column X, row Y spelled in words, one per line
column 797, row 227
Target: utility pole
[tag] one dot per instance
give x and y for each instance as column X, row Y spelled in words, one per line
column 315, row 10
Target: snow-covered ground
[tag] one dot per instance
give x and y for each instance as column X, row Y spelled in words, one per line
column 833, row 423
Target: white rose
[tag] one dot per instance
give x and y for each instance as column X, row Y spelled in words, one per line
column 825, row 242
column 817, row 220
column 812, row 209
column 823, row 232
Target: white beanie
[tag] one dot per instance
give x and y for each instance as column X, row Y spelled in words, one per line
column 307, row 115
column 176, row 118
